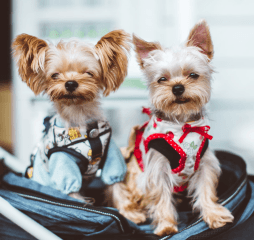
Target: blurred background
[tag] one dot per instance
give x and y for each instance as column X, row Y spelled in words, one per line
column 167, row 21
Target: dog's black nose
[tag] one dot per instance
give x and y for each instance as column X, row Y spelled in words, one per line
column 71, row 86
column 178, row 89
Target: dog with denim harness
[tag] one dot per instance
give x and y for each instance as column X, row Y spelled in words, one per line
column 74, row 74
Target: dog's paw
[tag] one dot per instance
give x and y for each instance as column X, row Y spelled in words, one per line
column 135, row 216
column 78, row 196
column 217, row 216
column 165, row 228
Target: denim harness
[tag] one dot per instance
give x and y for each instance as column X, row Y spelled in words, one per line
column 88, row 144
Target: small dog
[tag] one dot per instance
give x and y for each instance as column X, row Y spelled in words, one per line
column 73, row 74
column 171, row 151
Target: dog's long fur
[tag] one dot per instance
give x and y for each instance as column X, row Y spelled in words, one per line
column 150, row 193
column 96, row 70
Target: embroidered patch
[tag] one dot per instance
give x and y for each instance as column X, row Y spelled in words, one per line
column 193, row 145
column 89, row 154
column 190, row 147
column 30, row 172
column 74, row 133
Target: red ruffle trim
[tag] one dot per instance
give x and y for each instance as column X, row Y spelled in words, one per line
column 181, row 188
column 137, row 152
column 198, row 154
column 168, row 138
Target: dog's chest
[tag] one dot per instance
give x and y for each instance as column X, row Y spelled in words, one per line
column 171, row 132
column 181, row 144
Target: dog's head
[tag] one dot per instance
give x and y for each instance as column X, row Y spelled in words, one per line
column 178, row 78
column 73, row 72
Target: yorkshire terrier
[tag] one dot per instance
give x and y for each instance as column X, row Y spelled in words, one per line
column 74, row 75
column 171, row 152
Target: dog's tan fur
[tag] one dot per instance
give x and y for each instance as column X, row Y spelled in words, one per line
column 150, row 193
column 96, row 69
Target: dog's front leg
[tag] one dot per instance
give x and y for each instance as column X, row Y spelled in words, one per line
column 202, row 186
column 127, row 201
column 158, row 188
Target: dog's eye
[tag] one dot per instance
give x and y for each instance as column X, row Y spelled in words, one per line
column 194, row 75
column 162, row 79
column 89, row 73
column 55, row 76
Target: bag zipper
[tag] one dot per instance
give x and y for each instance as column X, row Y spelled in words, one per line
column 122, row 222
column 71, row 206
column 222, row 202
column 91, row 208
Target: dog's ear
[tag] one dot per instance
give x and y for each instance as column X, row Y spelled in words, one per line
column 200, row 37
column 142, row 48
column 29, row 52
column 113, row 49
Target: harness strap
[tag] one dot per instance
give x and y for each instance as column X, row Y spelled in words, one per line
column 163, row 147
column 103, row 160
column 94, row 140
column 169, row 152
column 82, row 161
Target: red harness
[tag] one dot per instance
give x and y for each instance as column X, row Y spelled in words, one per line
column 169, row 138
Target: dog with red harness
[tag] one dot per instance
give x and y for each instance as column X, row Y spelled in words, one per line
column 171, row 152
